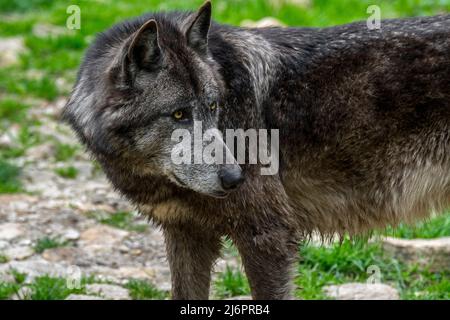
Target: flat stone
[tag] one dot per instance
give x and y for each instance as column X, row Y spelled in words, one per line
column 433, row 254
column 6, row 141
column 39, row 152
column 4, row 244
column 35, row 268
column 83, row 297
column 135, row 272
column 103, row 236
column 66, row 254
column 361, row 291
column 108, row 291
column 10, row 231
column 25, row 242
column 19, row 253
column 71, row 235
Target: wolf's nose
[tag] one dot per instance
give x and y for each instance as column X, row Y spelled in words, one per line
column 231, row 178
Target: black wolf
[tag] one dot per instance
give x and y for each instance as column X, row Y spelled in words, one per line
column 364, row 133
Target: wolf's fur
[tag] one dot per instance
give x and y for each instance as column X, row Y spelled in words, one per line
column 364, row 119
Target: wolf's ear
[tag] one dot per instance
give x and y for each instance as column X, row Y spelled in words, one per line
column 198, row 28
column 144, row 49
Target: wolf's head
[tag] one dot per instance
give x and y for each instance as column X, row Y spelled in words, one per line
column 141, row 81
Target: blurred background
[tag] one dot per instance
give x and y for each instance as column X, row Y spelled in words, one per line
column 64, row 233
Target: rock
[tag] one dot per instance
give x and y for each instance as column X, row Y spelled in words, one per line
column 361, row 291
column 10, row 50
column 3, row 245
column 9, row 139
column 103, row 235
column 69, row 255
column 19, row 253
column 39, row 152
column 428, row 253
column 108, row 291
column 71, row 235
column 25, row 242
column 10, row 231
column 6, row 141
column 7, row 277
column 263, row 23
column 83, row 297
column 35, row 268
column 223, row 263
column 136, row 252
column 124, row 274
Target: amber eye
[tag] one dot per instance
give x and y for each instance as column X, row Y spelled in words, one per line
column 178, row 115
column 213, row 106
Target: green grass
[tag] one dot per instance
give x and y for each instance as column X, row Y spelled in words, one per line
column 23, row 5
column 12, row 110
column 27, row 138
column 19, row 277
column 67, row 172
column 231, row 283
column 55, row 288
column 120, row 220
column 13, row 81
column 14, row 27
column 143, row 290
column 51, row 288
column 7, row 290
column 64, row 152
column 349, row 262
column 9, row 177
column 48, row 243
column 437, row 227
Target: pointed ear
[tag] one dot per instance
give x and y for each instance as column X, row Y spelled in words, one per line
column 144, row 49
column 198, row 28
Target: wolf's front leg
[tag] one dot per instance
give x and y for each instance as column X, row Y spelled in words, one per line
column 191, row 253
column 268, row 256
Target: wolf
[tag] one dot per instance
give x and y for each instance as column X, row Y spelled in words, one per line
column 364, row 133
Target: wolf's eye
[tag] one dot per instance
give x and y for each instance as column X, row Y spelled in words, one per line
column 178, row 115
column 214, row 106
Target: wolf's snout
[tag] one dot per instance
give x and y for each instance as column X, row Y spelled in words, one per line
column 231, row 178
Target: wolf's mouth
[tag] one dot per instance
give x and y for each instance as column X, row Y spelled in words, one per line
column 220, row 194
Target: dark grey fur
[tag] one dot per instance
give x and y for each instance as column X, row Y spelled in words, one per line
column 364, row 119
